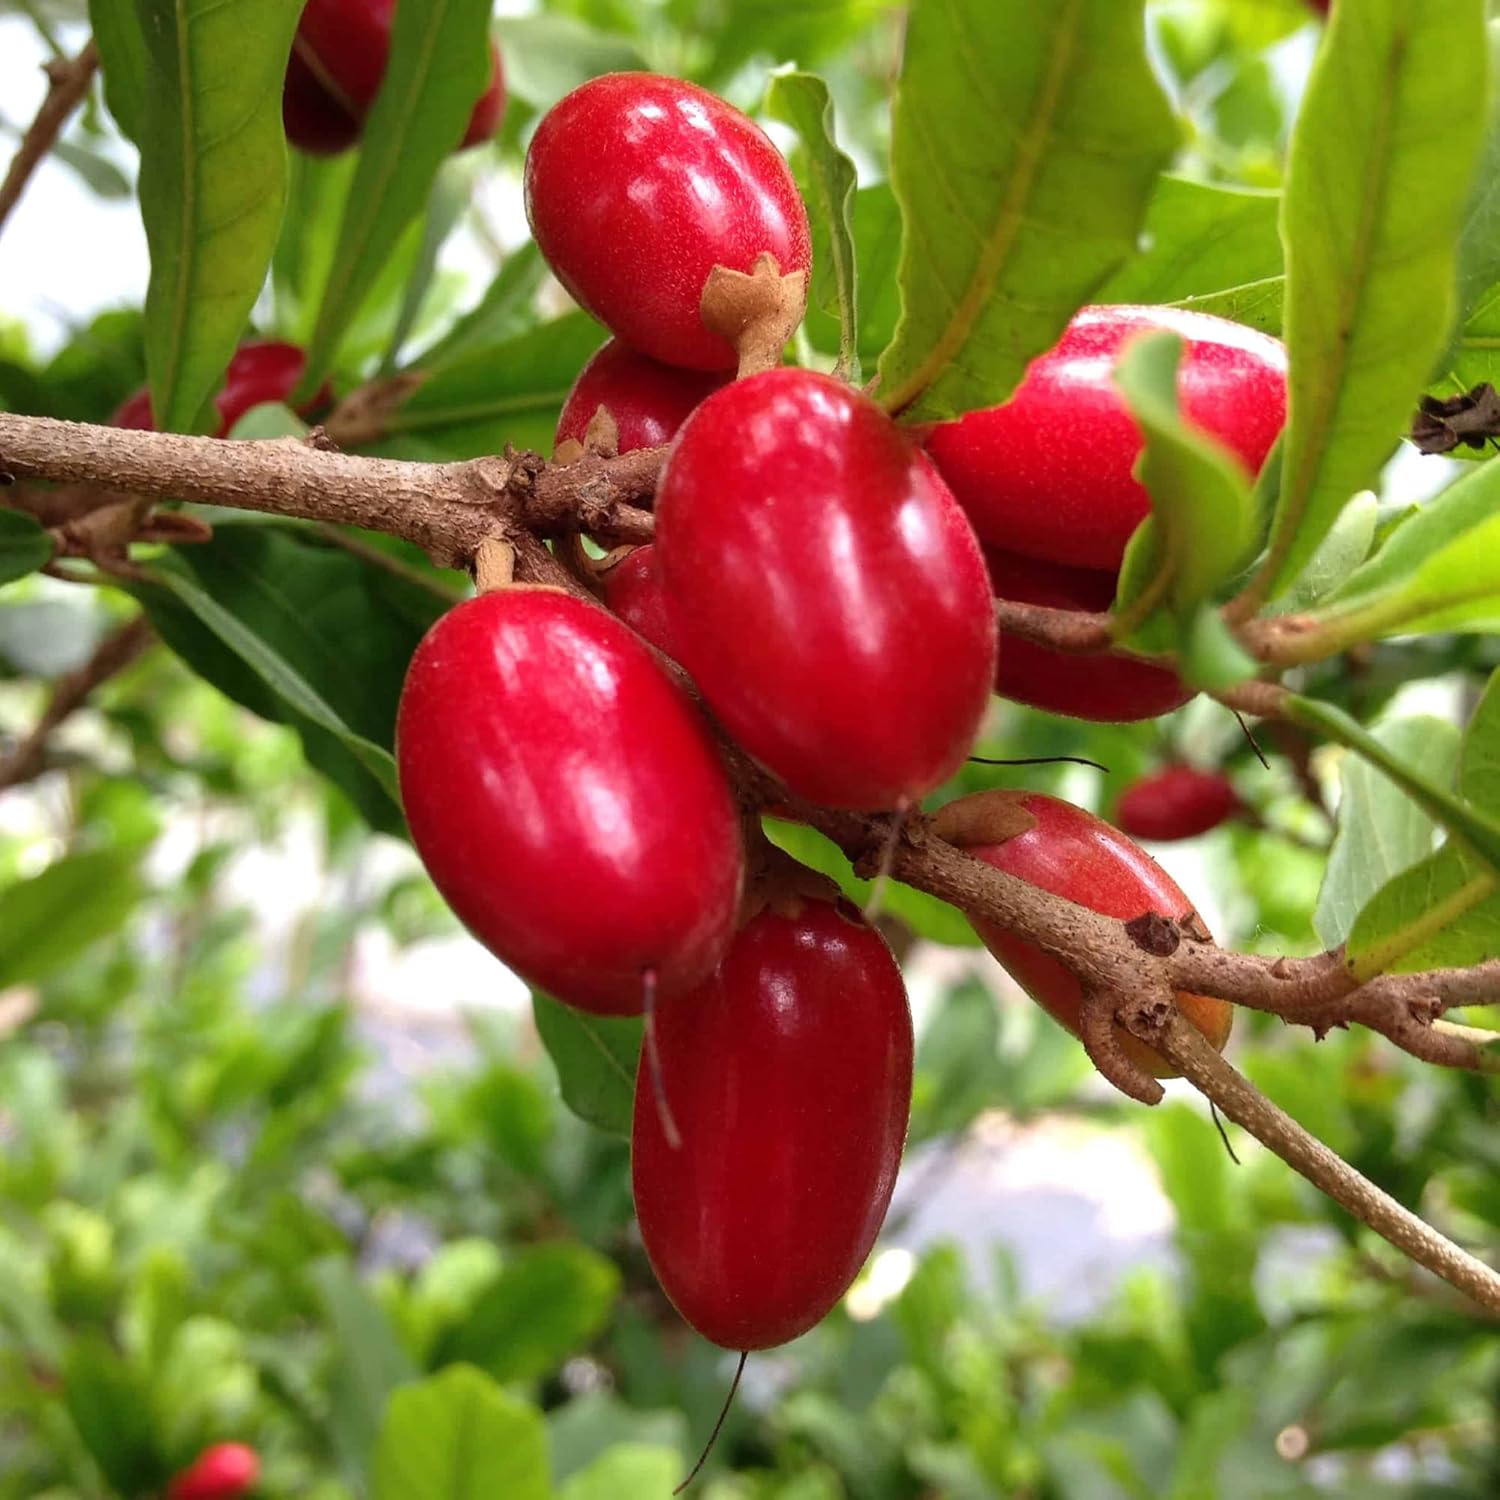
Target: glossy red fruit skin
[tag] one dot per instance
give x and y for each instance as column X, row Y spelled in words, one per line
column 1048, row 474
column 566, row 799
column 222, row 1472
column 648, row 400
column 633, row 591
column 1073, row 854
column 261, row 371
column 637, row 186
column 1178, row 802
column 1107, row 688
column 824, row 590
column 338, row 61
column 788, row 1075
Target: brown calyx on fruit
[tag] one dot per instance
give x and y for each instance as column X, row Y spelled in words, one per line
column 602, row 436
column 756, row 313
column 983, row 818
column 782, row 884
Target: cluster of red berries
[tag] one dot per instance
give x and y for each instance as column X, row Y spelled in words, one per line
column 338, row 60
column 818, row 578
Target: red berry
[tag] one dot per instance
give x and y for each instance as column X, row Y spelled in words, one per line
column 338, row 61
column 567, row 800
column 222, row 1472
column 1177, row 802
column 1109, row 688
column 1049, row 473
column 632, row 589
column 788, row 1075
column 824, row 590
column 259, row 372
column 637, row 186
column 1072, row 854
column 648, row 400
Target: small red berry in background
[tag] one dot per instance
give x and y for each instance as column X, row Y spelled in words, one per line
column 222, row 1472
column 262, row 371
column 1105, row 687
column 648, row 400
column 567, row 800
column 1178, row 802
column 788, row 1075
column 633, row 591
column 637, row 186
column 824, row 590
column 1048, row 474
column 1068, row 851
column 337, row 63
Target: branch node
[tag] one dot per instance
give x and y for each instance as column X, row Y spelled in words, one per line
column 1153, row 933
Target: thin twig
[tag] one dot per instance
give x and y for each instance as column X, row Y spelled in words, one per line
column 114, row 653
column 68, row 83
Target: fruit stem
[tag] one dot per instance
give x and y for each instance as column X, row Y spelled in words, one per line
column 713, row 1437
column 494, row 565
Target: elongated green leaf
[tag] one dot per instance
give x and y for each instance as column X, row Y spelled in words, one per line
column 1339, row 555
column 595, row 1058
column 1202, row 520
column 458, row 1436
column 505, row 310
column 24, row 546
column 1374, row 199
column 801, row 101
column 1201, row 240
column 547, row 1303
column 450, row 196
column 438, row 67
column 1445, row 910
column 122, row 62
column 110, row 1405
column 1381, row 831
column 876, row 220
column 1479, row 243
column 46, row 922
column 494, row 394
column 1475, row 825
column 212, row 185
column 1025, row 146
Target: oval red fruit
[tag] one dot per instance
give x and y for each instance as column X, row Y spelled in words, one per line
column 633, row 591
column 1177, row 802
column 260, row 371
column 1071, row 853
column 338, row 60
column 1048, row 473
column 566, row 799
column 637, row 186
column 222, row 1472
column 648, row 400
column 788, row 1076
column 1108, row 687
column 825, row 590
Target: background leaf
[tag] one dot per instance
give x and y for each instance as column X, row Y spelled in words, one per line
column 1025, row 145
column 595, row 1058
column 801, row 101
column 1374, row 198
column 48, row 921
column 458, row 1436
column 876, row 222
column 438, row 67
column 24, row 546
column 212, row 184
column 122, row 62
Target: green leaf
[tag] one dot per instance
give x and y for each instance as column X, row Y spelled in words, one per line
column 1202, row 521
column 212, row 184
column 1202, row 240
column 1339, row 555
column 111, row 1408
column 547, row 56
column 494, row 394
column 640, row 1469
column 547, row 1303
column 24, row 546
column 595, row 1058
column 1026, row 141
column 1445, row 910
column 303, row 634
column 1374, row 199
column 122, row 62
column 369, row 1365
column 50, row 919
column 1381, row 831
column 449, row 199
column 801, row 100
column 505, row 310
column 1479, row 241
column 438, row 67
column 458, row 1436
column 876, row 221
